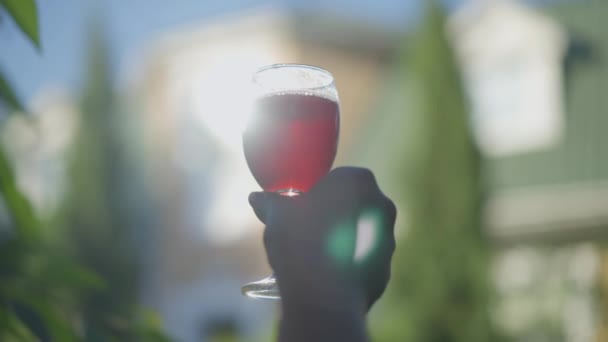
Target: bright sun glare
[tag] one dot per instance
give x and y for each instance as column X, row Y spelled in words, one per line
column 221, row 96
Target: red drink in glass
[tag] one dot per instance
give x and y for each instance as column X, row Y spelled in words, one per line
column 291, row 140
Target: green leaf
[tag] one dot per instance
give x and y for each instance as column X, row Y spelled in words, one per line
column 13, row 328
column 25, row 15
column 68, row 273
column 59, row 326
column 18, row 206
column 149, row 327
column 8, row 96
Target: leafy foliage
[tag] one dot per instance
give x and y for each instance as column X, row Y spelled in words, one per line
column 8, row 98
column 48, row 292
column 25, row 15
column 26, row 224
column 38, row 284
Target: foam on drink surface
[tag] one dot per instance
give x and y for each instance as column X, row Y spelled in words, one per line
column 326, row 94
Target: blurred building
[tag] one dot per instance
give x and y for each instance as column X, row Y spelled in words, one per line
column 511, row 60
column 550, row 210
column 558, row 183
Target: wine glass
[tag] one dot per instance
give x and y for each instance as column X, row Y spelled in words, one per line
column 290, row 141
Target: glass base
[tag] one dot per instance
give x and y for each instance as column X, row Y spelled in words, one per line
column 264, row 289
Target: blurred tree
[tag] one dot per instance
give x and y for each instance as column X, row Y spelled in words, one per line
column 440, row 287
column 97, row 215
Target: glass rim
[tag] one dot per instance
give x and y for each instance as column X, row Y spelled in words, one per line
column 296, row 65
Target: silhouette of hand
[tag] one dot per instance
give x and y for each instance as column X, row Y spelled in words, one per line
column 333, row 245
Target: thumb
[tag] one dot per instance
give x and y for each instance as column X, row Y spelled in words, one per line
column 269, row 206
column 263, row 203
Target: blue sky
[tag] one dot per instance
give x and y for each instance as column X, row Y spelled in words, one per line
column 132, row 23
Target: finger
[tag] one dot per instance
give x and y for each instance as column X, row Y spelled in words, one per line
column 257, row 201
column 271, row 246
column 347, row 178
column 352, row 172
column 262, row 204
column 272, row 205
column 391, row 213
column 346, row 186
column 283, row 216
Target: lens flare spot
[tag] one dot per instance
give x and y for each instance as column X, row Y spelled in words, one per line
column 367, row 234
column 341, row 242
column 355, row 242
